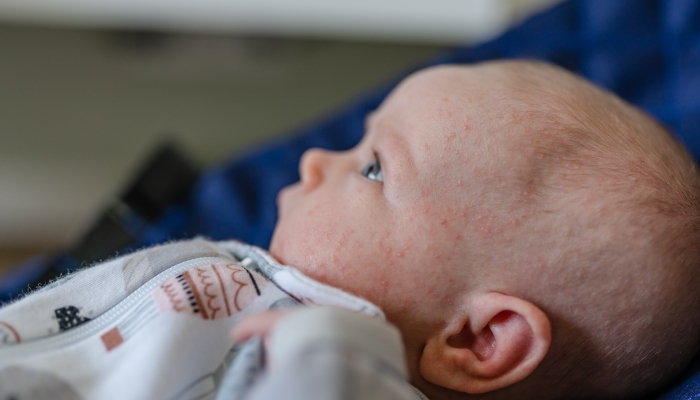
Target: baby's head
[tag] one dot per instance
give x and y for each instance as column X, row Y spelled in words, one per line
column 528, row 233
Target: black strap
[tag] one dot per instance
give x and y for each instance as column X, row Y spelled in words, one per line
column 165, row 179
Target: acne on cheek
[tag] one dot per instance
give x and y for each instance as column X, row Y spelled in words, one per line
column 343, row 247
column 314, row 209
column 385, row 248
column 448, row 142
column 449, row 226
column 303, row 235
column 344, row 240
column 391, row 250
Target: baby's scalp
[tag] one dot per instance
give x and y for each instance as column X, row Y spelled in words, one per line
column 607, row 243
column 620, row 199
column 525, row 181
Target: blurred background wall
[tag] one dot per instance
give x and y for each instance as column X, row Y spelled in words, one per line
column 88, row 87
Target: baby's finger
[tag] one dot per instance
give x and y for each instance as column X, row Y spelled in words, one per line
column 257, row 325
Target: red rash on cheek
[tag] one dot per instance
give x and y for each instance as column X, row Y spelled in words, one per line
column 344, row 242
column 312, row 211
column 386, row 248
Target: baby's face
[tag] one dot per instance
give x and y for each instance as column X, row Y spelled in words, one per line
column 392, row 219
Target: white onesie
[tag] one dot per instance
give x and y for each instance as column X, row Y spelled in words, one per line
column 155, row 325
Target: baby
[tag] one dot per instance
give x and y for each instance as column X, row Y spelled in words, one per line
column 530, row 235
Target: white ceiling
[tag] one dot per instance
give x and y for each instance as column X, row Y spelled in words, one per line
column 437, row 21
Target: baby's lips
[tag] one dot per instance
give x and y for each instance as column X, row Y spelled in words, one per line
column 285, row 192
column 278, row 199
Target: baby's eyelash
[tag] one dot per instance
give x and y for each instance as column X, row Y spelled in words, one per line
column 373, row 170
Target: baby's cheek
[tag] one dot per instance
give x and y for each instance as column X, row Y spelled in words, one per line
column 337, row 243
column 305, row 240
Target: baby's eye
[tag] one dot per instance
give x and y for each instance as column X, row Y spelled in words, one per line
column 373, row 171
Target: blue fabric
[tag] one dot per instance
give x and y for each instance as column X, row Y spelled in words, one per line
column 687, row 387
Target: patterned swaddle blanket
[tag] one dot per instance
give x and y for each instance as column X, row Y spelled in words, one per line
column 153, row 324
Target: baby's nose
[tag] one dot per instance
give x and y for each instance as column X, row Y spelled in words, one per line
column 312, row 167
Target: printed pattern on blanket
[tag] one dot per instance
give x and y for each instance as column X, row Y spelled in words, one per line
column 210, row 291
column 154, row 324
column 69, row 302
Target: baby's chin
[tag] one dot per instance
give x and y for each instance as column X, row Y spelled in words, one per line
column 277, row 248
column 286, row 253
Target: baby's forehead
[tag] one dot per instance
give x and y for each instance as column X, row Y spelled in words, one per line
column 464, row 98
column 492, row 76
column 490, row 125
column 464, row 106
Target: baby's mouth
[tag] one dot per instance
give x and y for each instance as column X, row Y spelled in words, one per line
column 281, row 196
column 278, row 199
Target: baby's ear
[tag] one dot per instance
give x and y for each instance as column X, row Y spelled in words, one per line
column 499, row 341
